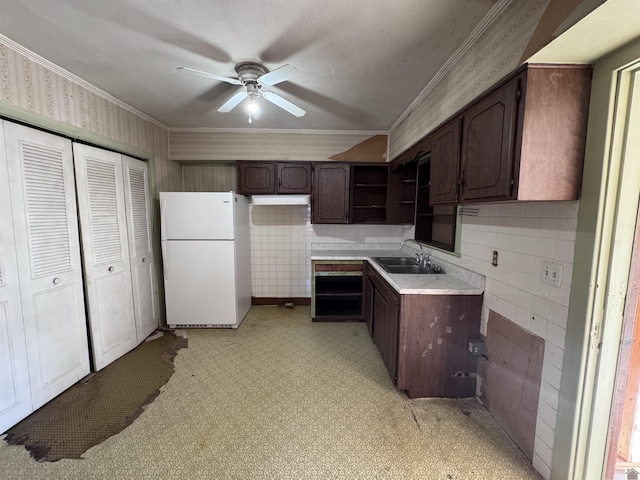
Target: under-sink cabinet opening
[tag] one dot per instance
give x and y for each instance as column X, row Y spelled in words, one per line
column 336, row 290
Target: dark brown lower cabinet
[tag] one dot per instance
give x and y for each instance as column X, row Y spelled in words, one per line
column 423, row 338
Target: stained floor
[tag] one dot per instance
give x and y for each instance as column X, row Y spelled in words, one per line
column 285, row 398
column 101, row 405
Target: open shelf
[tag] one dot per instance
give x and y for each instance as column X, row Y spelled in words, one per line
column 402, row 193
column 369, row 193
column 338, row 297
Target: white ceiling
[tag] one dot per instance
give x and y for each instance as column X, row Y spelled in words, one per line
column 361, row 62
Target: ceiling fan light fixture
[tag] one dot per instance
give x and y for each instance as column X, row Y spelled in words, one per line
column 253, row 106
column 253, row 76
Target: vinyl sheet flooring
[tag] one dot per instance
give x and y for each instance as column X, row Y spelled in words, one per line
column 284, row 398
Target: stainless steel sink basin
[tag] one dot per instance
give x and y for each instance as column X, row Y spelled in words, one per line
column 406, row 265
column 396, row 261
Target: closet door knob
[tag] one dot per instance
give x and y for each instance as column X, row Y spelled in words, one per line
column 56, row 281
column 144, row 259
column 111, row 269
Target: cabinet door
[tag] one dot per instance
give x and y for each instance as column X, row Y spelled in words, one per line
column 46, row 232
column 367, row 307
column 15, row 398
column 393, row 315
column 136, row 196
column 488, row 144
column 106, row 253
column 380, row 325
column 294, row 177
column 445, row 163
column 257, row 178
column 330, row 197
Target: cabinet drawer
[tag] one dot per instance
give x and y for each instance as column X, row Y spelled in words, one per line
column 339, row 267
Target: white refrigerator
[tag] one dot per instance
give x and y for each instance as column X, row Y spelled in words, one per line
column 206, row 258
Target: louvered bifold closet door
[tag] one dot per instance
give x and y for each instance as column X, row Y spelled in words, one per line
column 15, row 397
column 105, row 253
column 136, row 195
column 46, row 235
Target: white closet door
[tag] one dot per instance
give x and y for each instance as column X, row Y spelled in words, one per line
column 138, row 227
column 46, row 234
column 105, row 253
column 15, row 398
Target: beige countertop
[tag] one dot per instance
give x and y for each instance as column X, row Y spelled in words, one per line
column 405, row 284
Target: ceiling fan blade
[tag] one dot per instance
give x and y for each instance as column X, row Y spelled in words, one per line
column 233, row 102
column 233, row 81
column 280, row 74
column 284, row 104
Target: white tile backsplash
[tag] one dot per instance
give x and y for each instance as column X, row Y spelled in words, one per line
column 282, row 237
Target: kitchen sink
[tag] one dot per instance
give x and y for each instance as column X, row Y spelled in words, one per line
column 403, row 261
column 405, row 265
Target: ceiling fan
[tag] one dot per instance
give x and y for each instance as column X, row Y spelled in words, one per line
column 253, row 76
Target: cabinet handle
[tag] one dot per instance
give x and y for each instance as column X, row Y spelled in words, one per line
column 56, row 281
column 111, row 269
column 144, row 259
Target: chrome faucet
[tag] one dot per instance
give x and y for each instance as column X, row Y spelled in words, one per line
column 420, row 254
column 423, row 258
column 426, row 262
column 410, row 240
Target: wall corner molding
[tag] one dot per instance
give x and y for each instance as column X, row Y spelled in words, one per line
column 52, row 67
column 484, row 25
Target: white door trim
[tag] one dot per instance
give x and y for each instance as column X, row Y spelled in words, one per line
column 614, row 246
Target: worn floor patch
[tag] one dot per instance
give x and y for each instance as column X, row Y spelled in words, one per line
column 100, row 406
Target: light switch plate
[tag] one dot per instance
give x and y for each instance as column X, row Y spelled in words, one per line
column 552, row 273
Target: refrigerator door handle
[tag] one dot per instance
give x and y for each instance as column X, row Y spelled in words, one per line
column 163, row 219
column 165, row 259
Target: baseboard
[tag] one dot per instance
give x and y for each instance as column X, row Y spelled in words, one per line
column 280, row 300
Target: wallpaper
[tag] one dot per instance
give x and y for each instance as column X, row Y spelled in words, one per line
column 209, row 178
column 199, row 145
column 34, row 86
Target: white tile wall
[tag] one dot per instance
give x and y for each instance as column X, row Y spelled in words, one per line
column 525, row 235
column 281, row 251
column 361, row 234
column 281, row 238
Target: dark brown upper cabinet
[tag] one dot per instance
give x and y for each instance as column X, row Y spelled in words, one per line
column 257, row 178
column 488, row 152
column 270, row 178
column 330, row 194
column 525, row 140
column 445, row 161
column 294, row 177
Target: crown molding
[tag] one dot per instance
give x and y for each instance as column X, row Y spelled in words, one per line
column 258, row 131
column 34, row 57
column 478, row 31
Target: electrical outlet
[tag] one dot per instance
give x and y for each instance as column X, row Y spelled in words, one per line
column 552, row 273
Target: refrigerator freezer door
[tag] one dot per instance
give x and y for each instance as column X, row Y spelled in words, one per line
column 200, row 287
column 197, row 215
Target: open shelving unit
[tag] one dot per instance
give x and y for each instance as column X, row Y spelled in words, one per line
column 369, row 193
column 402, row 194
column 337, row 290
